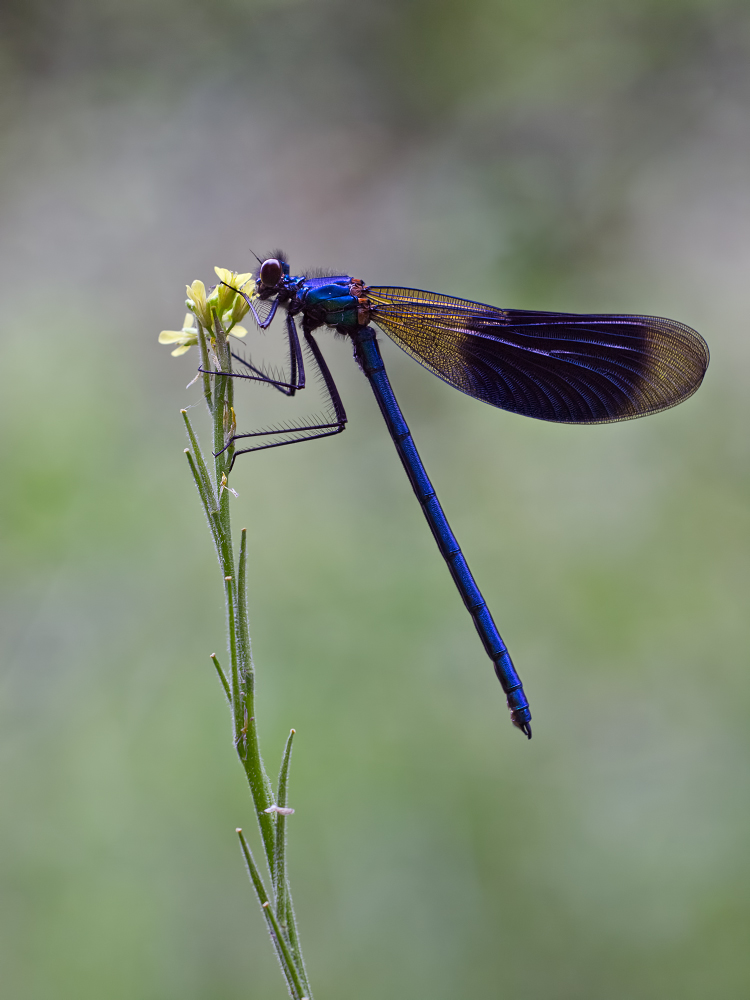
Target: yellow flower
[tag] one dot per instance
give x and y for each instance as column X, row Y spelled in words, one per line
column 184, row 338
column 196, row 303
column 230, row 306
column 223, row 301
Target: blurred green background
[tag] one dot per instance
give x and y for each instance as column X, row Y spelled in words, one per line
column 584, row 155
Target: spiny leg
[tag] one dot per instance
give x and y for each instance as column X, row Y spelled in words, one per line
column 297, row 377
column 263, row 324
column 296, row 433
column 296, row 365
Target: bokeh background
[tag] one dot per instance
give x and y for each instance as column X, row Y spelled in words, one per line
column 585, row 155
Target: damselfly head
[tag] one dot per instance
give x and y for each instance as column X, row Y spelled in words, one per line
column 271, row 272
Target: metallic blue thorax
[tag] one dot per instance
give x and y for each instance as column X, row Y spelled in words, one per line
column 327, row 300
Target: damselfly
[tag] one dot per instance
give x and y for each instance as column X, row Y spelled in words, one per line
column 578, row 369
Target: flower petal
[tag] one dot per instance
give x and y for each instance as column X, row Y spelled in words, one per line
column 239, row 331
column 171, row 336
column 197, row 291
column 242, row 280
column 197, row 299
column 180, row 350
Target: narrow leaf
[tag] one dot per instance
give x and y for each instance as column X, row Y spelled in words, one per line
column 205, row 500
column 252, row 868
column 282, row 951
column 200, row 462
column 222, row 677
column 293, row 972
column 284, row 906
column 280, row 872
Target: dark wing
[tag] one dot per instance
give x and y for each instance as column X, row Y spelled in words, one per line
column 571, row 368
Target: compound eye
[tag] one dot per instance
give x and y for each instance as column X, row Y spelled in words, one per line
column 271, row 272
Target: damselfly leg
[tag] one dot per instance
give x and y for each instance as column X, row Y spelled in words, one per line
column 296, row 365
column 308, row 429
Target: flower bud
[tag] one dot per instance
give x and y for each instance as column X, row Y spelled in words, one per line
column 196, row 303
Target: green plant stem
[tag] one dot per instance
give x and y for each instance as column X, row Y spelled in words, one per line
column 249, row 748
column 247, row 671
column 205, row 365
column 238, row 682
